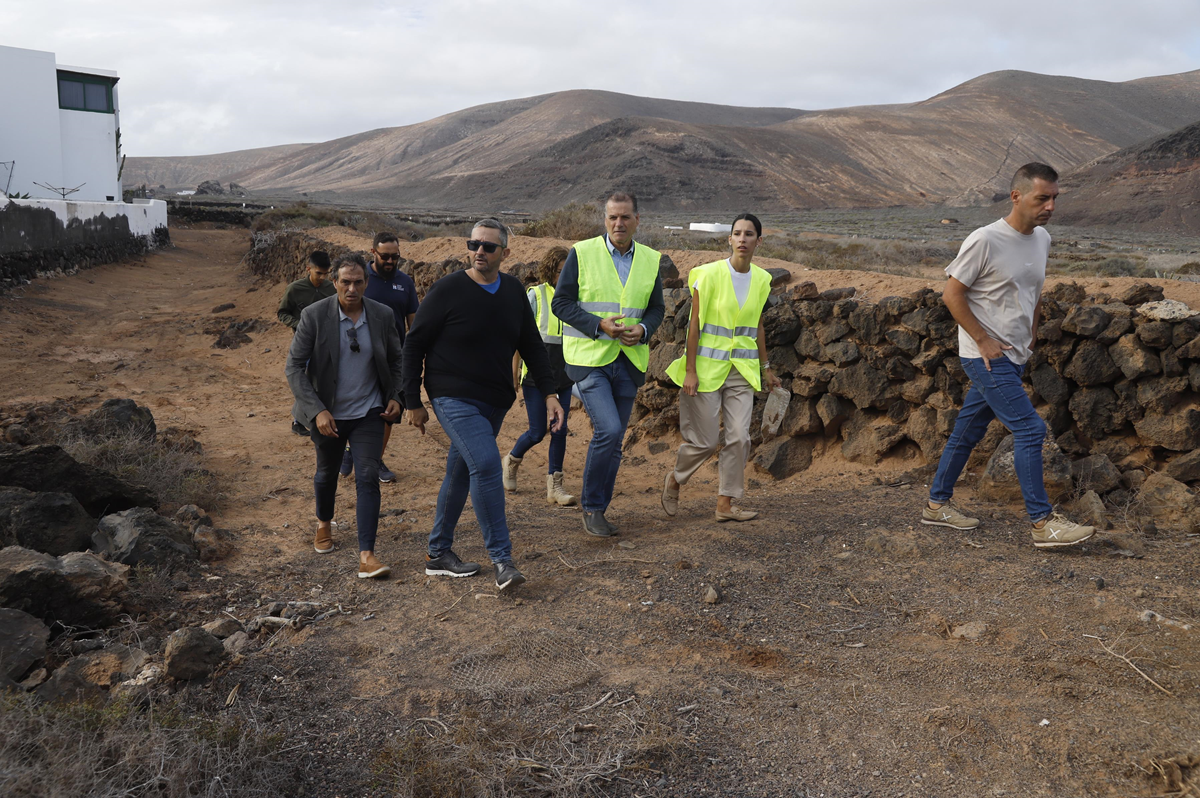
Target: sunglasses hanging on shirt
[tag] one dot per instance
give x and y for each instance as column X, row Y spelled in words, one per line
column 353, row 333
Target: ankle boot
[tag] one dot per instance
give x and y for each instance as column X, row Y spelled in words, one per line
column 554, row 491
column 509, row 466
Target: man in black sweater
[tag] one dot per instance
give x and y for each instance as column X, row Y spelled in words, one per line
column 464, row 336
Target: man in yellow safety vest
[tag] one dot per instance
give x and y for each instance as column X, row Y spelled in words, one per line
column 609, row 297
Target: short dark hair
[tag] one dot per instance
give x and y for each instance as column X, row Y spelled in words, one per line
column 1030, row 172
column 384, row 237
column 623, row 196
column 350, row 259
column 752, row 219
column 550, row 262
column 493, row 224
column 320, row 259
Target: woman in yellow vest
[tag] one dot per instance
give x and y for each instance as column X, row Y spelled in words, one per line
column 720, row 369
column 535, row 403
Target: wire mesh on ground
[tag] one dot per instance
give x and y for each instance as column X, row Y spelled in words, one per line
column 528, row 663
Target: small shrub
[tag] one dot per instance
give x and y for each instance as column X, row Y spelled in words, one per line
column 1191, row 267
column 574, row 222
column 118, row 750
column 170, row 468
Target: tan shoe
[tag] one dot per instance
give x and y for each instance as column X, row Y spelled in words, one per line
column 947, row 515
column 736, row 514
column 372, row 568
column 554, row 491
column 323, row 540
column 670, row 496
column 1060, row 531
column 508, row 475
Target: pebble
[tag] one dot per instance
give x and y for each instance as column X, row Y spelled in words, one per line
column 250, row 415
column 712, row 595
column 1099, row 580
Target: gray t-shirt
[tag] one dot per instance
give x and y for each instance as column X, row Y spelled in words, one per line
column 1004, row 271
column 358, row 379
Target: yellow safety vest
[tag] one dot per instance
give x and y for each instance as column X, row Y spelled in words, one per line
column 602, row 295
column 549, row 325
column 728, row 333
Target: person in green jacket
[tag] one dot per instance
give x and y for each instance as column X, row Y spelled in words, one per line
column 302, row 293
column 719, row 371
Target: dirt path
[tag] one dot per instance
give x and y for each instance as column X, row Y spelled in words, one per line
column 827, row 668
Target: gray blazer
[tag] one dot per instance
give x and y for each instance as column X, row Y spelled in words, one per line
column 312, row 363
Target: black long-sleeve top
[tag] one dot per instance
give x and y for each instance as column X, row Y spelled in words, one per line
column 566, row 306
column 464, row 337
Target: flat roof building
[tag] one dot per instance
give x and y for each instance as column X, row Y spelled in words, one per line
column 59, row 128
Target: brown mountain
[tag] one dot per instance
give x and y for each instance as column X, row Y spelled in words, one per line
column 1152, row 186
column 189, row 172
column 540, row 152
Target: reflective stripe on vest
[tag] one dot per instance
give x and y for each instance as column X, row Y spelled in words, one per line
column 602, row 295
column 549, row 325
column 728, row 332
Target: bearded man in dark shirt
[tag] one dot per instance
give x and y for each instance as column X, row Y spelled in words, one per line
column 463, row 338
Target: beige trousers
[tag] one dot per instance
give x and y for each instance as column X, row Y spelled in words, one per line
column 700, row 425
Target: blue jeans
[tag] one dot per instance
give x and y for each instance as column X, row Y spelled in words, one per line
column 535, row 407
column 472, row 466
column 607, row 393
column 366, row 438
column 996, row 394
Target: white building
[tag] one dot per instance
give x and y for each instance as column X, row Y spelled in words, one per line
column 58, row 127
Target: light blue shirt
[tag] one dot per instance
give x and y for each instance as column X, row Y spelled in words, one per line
column 358, row 381
column 623, row 262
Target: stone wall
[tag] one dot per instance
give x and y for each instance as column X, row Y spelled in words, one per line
column 1116, row 378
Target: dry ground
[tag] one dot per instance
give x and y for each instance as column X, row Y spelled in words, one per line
column 828, row 667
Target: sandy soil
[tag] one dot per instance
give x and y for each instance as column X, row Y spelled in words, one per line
column 828, row 667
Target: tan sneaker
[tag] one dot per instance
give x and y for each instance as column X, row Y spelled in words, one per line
column 947, row 515
column 323, row 540
column 554, row 491
column 737, row 514
column 509, row 466
column 670, row 496
column 372, row 568
column 1058, row 530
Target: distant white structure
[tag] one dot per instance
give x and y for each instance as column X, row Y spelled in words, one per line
column 707, row 227
column 58, row 127
column 672, row 227
column 187, row 192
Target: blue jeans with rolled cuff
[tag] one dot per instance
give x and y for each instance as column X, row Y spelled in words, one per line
column 607, row 393
column 365, row 437
column 996, row 394
column 472, row 468
column 535, row 407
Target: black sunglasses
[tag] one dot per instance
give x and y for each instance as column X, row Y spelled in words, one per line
column 488, row 246
column 353, row 333
column 387, row 257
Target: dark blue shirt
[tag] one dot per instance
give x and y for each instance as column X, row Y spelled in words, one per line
column 399, row 294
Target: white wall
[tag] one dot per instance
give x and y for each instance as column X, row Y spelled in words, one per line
column 145, row 216
column 29, row 121
column 89, row 154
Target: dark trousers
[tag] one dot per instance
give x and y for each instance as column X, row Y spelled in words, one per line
column 365, row 436
column 535, row 407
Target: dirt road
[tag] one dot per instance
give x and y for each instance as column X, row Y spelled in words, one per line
column 851, row 652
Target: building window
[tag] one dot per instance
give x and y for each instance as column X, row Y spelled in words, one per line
column 85, row 93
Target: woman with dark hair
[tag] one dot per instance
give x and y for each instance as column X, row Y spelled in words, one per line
column 551, row 330
column 719, row 371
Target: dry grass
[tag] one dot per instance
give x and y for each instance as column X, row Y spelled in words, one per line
column 173, row 471
column 302, row 216
column 477, row 757
column 573, row 222
column 119, row 750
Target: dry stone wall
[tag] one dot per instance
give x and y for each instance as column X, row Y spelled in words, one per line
column 1116, row 378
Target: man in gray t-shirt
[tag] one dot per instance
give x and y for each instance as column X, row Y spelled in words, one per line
column 994, row 293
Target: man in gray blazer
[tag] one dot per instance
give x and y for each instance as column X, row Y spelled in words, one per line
column 344, row 370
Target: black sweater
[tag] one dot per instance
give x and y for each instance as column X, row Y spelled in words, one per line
column 465, row 337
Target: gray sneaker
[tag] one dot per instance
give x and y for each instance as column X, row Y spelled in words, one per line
column 596, row 525
column 947, row 515
column 1060, row 531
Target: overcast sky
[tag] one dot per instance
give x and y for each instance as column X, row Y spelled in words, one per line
column 222, row 75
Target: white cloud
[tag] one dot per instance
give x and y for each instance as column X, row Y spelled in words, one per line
column 227, row 75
